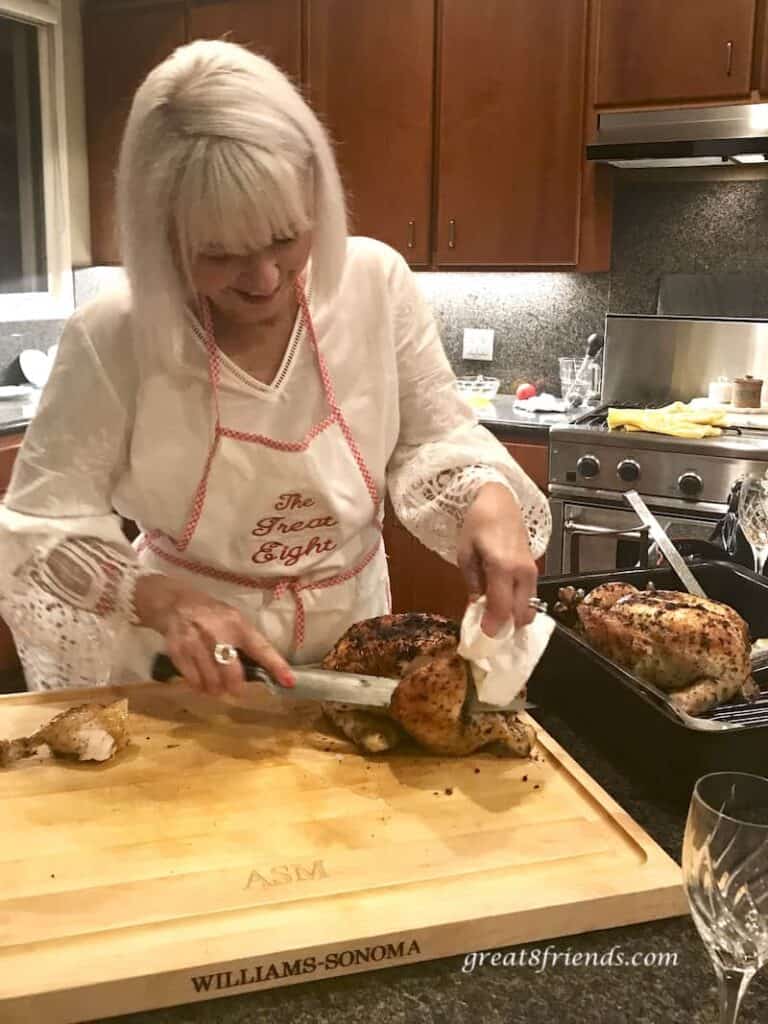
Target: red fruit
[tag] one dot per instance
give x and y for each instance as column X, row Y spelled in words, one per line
column 525, row 391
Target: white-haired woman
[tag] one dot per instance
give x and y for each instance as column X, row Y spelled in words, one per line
column 248, row 399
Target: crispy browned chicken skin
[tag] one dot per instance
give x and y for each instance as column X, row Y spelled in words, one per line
column 695, row 649
column 429, row 703
column 88, row 732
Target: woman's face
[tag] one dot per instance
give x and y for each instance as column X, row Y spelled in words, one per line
column 253, row 288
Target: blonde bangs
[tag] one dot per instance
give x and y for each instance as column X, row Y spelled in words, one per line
column 238, row 199
column 221, row 150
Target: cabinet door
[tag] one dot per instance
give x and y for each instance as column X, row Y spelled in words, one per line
column 9, row 449
column 370, row 76
column 533, row 459
column 654, row 52
column 420, row 580
column 761, row 49
column 512, row 81
column 269, row 27
column 121, row 45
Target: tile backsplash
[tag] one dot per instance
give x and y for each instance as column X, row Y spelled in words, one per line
column 536, row 317
column 660, row 227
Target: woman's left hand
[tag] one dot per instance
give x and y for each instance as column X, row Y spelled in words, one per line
column 495, row 558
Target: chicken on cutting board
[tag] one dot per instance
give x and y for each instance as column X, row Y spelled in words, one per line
column 430, row 702
column 88, row 732
column 695, row 649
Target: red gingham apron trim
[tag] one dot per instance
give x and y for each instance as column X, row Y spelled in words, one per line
column 282, row 446
column 278, row 587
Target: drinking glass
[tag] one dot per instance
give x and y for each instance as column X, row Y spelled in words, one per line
column 753, row 517
column 725, row 870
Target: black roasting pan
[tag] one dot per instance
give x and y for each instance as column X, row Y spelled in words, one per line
column 631, row 721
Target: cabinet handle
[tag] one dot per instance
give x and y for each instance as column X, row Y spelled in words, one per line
column 451, row 234
column 729, row 58
column 411, row 234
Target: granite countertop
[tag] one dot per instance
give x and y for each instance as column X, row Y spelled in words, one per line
column 503, row 417
column 440, row 992
column 15, row 416
column 500, row 415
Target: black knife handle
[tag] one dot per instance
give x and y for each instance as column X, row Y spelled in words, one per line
column 163, row 669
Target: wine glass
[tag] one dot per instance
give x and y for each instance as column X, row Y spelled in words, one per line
column 725, row 869
column 753, row 517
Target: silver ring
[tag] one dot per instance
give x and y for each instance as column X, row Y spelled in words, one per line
column 538, row 604
column 225, row 654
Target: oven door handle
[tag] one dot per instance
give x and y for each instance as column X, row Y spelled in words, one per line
column 575, row 531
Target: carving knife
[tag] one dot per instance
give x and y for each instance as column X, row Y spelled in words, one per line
column 666, row 546
column 320, row 684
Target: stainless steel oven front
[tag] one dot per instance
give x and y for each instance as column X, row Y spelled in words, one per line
column 587, row 536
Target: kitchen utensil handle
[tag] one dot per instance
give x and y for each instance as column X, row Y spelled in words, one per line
column 576, row 531
column 163, row 669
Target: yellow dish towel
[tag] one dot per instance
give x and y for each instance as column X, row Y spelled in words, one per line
column 677, row 420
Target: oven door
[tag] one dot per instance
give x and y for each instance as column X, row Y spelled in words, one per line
column 598, row 538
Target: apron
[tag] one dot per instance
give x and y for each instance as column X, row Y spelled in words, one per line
column 287, row 532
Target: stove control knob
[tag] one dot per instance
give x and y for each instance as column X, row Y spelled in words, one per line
column 628, row 470
column 690, row 484
column 588, row 466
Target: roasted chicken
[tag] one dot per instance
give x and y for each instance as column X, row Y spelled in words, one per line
column 695, row 649
column 430, row 702
column 88, row 732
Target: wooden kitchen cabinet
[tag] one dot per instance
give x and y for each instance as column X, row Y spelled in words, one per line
column 9, row 449
column 124, row 39
column 511, row 108
column 499, row 181
column 420, row 580
column 271, row 28
column 370, row 69
column 122, row 42
column 652, row 53
column 760, row 70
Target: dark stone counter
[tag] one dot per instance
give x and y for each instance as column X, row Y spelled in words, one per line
column 512, row 424
column 15, row 416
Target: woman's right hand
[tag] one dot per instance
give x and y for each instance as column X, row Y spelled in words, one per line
column 193, row 623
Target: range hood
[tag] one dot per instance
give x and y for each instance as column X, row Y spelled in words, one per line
column 705, row 136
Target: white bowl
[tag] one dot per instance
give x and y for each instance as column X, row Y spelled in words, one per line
column 478, row 387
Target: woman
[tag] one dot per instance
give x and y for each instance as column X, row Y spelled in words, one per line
column 247, row 400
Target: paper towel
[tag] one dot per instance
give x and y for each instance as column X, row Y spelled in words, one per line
column 502, row 664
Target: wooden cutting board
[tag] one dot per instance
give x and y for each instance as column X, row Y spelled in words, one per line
column 239, row 846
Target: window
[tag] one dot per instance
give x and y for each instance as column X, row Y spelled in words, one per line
column 35, row 260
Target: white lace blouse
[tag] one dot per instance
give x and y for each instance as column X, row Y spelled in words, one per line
column 124, row 427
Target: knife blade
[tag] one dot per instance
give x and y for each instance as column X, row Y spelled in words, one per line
column 311, row 683
column 322, row 684
column 668, row 549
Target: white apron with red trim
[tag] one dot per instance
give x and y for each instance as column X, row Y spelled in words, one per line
column 289, row 533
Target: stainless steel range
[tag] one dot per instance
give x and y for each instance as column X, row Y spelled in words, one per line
column 651, row 360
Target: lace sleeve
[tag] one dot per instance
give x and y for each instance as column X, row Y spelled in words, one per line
column 66, row 607
column 434, row 509
column 67, row 573
column 443, row 454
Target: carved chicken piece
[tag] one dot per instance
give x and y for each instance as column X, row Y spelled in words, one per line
column 694, row 648
column 429, row 703
column 88, row 732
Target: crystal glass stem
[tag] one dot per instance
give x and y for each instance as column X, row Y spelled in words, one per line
column 731, row 985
